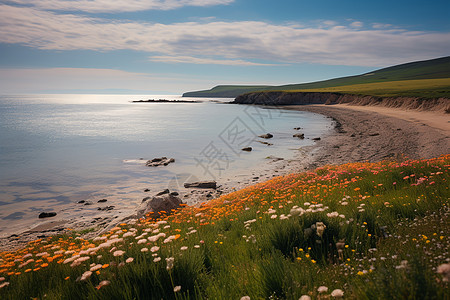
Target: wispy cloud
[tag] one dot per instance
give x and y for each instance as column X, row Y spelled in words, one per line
column 239, row 42
column 205, row 61
column 108, row 6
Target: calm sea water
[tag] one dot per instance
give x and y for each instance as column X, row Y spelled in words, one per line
column 58, row 149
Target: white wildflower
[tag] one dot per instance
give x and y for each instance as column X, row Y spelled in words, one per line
column 129, row 260
column 118, row 253
column 177, row 288
column 320, row 228
column 170, row 261
column 337, row 293
column 86, row 275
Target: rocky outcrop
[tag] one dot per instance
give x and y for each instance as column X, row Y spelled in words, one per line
column 46, row 215
column 202, row 185
column 266, row 136
column 158, row 205
column 299, row 98
column 159, row 161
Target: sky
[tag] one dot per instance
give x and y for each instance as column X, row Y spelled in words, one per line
column 175, row 46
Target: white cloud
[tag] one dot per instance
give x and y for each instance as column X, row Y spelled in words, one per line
column 241, row 42
column 356, row 24
column 204, row 61
column 381, row 25
column 110, row 6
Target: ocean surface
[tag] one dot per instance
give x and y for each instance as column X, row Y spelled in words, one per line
column 56, row 150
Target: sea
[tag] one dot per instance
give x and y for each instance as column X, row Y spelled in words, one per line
column 58, row 150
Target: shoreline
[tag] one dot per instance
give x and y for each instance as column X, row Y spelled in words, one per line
column 359, row 134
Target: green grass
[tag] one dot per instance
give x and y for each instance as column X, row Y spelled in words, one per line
column 424, row 88
column 372, row 230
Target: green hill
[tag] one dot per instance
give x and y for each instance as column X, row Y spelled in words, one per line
column 428, row 69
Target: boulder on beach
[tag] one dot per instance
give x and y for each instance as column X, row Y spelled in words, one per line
column 248, row 149
column 201, row 185
column 159, row 161
column 266, row 136
column 316, row 139
column 46, row 215
column 299, row 135
column 159, row 204
column 166, row 191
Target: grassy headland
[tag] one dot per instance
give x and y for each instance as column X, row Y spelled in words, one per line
column 364, row 230
column 430, row 69
column 424, row 88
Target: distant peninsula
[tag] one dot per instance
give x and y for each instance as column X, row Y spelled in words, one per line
column 425, row 79
column 165, row 101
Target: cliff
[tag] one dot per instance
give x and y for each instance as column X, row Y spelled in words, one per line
column 300, row 98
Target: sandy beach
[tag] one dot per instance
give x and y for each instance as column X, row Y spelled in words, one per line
column 361, row 133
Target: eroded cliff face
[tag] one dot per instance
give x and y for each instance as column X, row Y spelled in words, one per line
column 300, row 98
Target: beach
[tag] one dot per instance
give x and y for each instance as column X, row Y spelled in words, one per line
column 361, row 133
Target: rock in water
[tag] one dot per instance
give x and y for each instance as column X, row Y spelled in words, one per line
column 159, row 161
column 201, row 185
column 299, row 135
column 46, row 215
column 248, row 149
column 166, row 191
column 266, row 136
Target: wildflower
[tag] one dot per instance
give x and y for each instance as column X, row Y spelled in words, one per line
column 129, row 260
column 177, row 288
column 245, row 298
column 4, row 284
column 305, row 297
column 333, row 214
column 156, row 259
column 296, row 211
column 320, row 228
column 444, row 269
column 403, row 265
column 170, row 261
column 154, row 248
column 337, row 293
column 196, row 246
column 142, row 241
column 118, row 253
column 144, row 250
column 102, row 284
column 183, row 248
column 322, row 289
column 95, row 268
column 273, row 216
column 86, row 275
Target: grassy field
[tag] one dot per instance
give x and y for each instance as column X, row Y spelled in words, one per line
column 355, row 231
column 424, row 88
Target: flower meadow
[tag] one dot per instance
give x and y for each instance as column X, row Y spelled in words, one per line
column 355, row 231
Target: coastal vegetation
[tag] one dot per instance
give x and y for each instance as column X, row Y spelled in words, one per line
column 432, row 77
column 357, row 231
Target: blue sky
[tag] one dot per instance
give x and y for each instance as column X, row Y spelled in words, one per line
column 173, row 46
